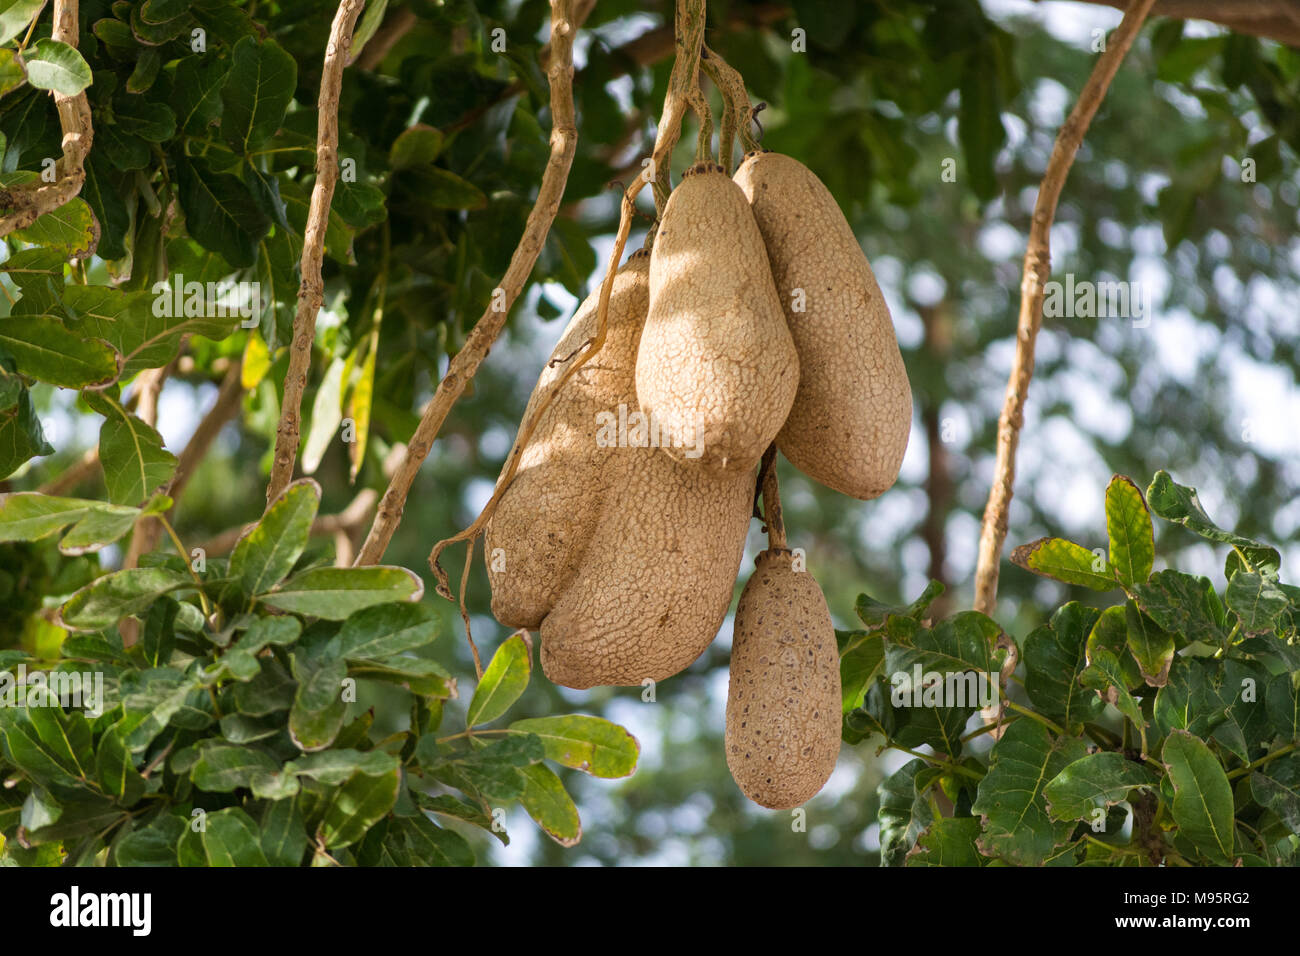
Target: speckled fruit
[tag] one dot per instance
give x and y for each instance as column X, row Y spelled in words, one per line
column 539, row 533
column 657, row 577
column 783, row 703
column 850, row 421
column 717, row 367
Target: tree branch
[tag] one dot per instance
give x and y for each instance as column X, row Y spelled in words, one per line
column 682, row 84
column 311, row 292
column 28, row 202
column 1271, row 19
column 1038, row 267
column 463, row 365
column 226, row 406
column 397, row 25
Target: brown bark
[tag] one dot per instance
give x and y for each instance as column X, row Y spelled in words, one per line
column 463, row 366
column 1038, row 266
column 311, row 292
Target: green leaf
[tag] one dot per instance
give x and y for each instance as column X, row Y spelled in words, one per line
column 146, row 119
column 1202, row 805
column 107, row 201
column 1128, row 525
column 116, row 771
column 267, row 554
column 224, row 769
column 154, row 845
column 106, row 600
column 30, row 516
column 979, row 118
column 1065, row 561
column 590, row 744
column 418, row 145
column 196, row 94
column 69, row 229
column 333, row 767
column 379, row 632
column 1094, row 782
column 360, row 406
column 52, row 748
column 12, row 74
column 1178, row 503
column 862, row 662
column 284, row 833
column 15, row 15
column 1177, row 602
column 336, row 593
column 132, row 455
column 419, row 675
column 1105, row 675
column 967, row 641
column 449, row 806
column 504, row 680
column 874, row 614
column 1018, row 828
column 129, row 321
column 550, row 805
column 1055, row 657
column 431, row 845
column 357, row 805
column 1276, row 786
column 1255, row 599
column 21, row 435
column 45, row 350
column 221, row 213
column 1111, row 632
column 145, row 72
column 230, row 838
column 1151, row 645
column 904, row 810
column 257, row 91
column 438, row 188
column 318, row 705
column 1283, row 705
column 370, row 22
column 326, row 413
column 53, row 65
column 948, row 841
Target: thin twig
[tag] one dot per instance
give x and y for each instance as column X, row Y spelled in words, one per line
column 1038, row 266
column 149, row 528
column 395, row 26
column 737, row 111
column 681, row 84
column 226, row 406
column 311, row 291
column 73, row 475
column 463, row 365
column 29, row 201
column 772, row 517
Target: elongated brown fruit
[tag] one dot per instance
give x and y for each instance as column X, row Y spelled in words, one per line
column 539, row 533
column 850, row 421
column 717, row 368
column 657, row 576
column 783, row 702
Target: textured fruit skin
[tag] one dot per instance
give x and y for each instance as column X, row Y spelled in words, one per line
column 783, row 702
column 717, row 366
column 546, row 517
column 850, row 421
column 657, row 577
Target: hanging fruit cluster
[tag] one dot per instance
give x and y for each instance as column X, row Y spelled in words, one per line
column 752, row 321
